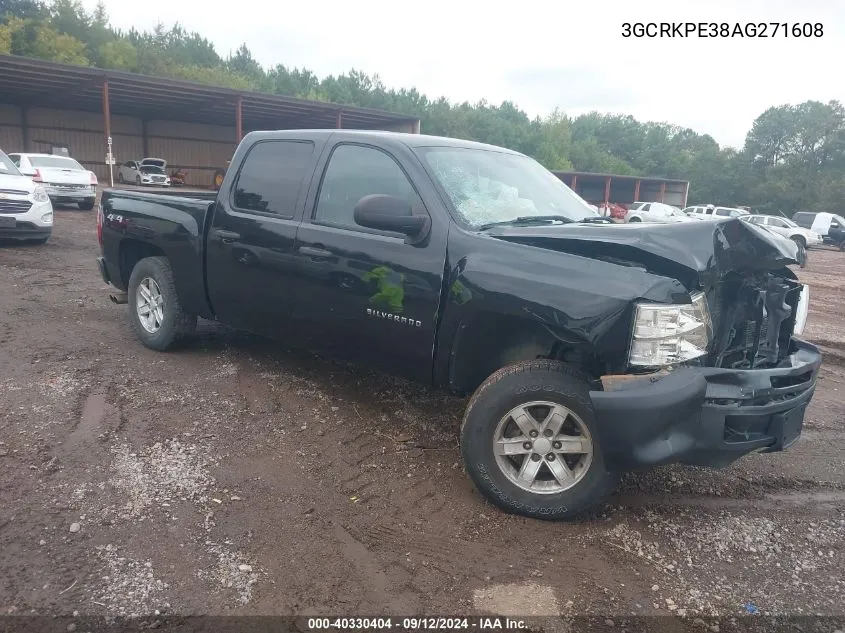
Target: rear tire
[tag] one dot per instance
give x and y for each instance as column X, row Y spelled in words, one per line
column 138, row 180
column 635, row 219
column 541, row 386
column 842, row 245
column 163, row 326
column 87, row 205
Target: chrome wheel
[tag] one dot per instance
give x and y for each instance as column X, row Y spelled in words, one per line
column 149, row 304
column 543, row 447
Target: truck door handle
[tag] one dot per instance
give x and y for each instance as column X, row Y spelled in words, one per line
column 228, row 236
column 314, row 252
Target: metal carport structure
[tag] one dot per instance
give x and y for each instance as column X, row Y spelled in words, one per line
column 78, row 104
column 603, row 188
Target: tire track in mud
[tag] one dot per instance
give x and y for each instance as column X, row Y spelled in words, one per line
column 366, row 459
column 819, row 501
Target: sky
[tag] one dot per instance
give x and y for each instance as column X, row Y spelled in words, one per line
column 540, row 55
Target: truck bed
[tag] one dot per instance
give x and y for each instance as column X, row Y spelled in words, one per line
column 177, row 192
column 171, row 223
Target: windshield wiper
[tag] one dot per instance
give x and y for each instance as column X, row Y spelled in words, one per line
column 596, row 220
column 528, row 220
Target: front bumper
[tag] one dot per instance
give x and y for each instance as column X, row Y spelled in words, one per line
column 25, row 230
column 706, row 416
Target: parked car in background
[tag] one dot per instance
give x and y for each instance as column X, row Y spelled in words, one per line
column 63, row 178
column 807, row 238
column 26, row 212
column 148, row 171
column 704, row 212
column 829, row 225
column 655, row 212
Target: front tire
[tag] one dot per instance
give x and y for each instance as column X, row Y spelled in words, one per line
column 635, row 219
column 530, row 443
column 155, row 313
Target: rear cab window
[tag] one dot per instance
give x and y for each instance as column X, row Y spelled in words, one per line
column 270, row 178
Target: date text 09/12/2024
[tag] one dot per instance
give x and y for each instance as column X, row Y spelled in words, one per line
column 804, row 30
column 417, row 623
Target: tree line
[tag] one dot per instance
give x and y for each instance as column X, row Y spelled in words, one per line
column 793, row 157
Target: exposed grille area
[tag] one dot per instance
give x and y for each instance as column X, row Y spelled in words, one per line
column 753, row 319
column 14, row 206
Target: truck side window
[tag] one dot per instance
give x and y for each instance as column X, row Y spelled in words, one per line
column 271, row 175
column 354, row 172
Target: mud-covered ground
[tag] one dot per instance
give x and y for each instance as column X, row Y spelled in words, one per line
column 239, row 477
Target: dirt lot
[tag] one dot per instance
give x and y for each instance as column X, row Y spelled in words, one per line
column 237, row 476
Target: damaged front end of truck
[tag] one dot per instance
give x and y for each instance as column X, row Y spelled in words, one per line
column 713, row 377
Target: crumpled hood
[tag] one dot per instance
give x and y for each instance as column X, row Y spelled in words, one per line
column 710, row 249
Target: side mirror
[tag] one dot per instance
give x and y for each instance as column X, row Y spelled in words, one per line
column 834, row 225
column 389, row 213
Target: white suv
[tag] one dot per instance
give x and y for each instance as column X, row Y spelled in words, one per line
column 709, row 212
column 26, row 212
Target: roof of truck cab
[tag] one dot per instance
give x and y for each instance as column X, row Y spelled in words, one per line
column 410, row 140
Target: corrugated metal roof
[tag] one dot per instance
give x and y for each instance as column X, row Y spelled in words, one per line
column 34, row 82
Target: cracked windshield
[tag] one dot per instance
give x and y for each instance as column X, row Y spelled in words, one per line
column 487, row 187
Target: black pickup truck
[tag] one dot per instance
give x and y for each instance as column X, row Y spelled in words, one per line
column 589, row 348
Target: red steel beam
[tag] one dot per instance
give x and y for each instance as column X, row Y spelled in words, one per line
column 239, row 119
column 574, row 182
column 662, row 191
column 686, row 194
column 607, row 189
column 637, row 191
column 339, row 124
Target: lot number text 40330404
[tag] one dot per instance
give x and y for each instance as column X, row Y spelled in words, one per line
column 723, row 29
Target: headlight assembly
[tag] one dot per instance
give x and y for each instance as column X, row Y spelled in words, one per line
column 39, row 195
column 669, row 334
column 802, row 311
